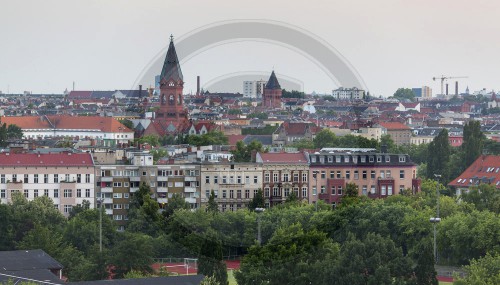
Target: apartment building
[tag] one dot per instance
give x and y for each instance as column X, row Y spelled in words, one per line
column 116, row 184
column 67, row 178
column 234, row 184
column 399, row 132
column 377, row 175
column 284, row 173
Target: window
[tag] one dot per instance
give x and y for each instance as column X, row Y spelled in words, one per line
column 371, row 159
column 87, row 193
column 35, row 178
column 382, row 174
column 2, row 193
column 334, row 190
column 372, row 174
column 363, row 158
column 78, row 193
column 323, row 174
column 117, row 217
column 126, row 195
column 56, row 178
column 247, row 194
column 304, row 177
column 78, row 178
column 387, row 159
column 46, row 192
column 388, row 174
column 238, row 180
column 66, row 177
column 332, row 174
column 304, row 192
column 224, row 196
column 364, row 190
column 117, row 206
column 295, row 177
column 339, row 190
column 207, row 179
column 356, row 175
column 26, row 193
column 255, row 179
column 68, row 193
column 247, row 179
column 339, row 174
column 275, row 191
column 87, row 178
column 45, row 178
column 389, row 190
column 383, row 190
column 267, row 177
column 231, row 179
column 402, row 159
column 402, row 174
column 372, row 189
column 231, row 194
column 117, row 195
column 238, row 194
column 338, row 159
column 401, row 189
column 207, row 193
column 285, row 177
column 2, row 178
column 216, row 179
column 224, row 179
column 348, row 174
column 323, row 188
column 379, row 159
column 35, row 193
column 286, row 192
column 117, row 184
column 275, row 177
column 67, row 209
column 266, row 192
column 125, row 184
column 152, row 184
column 364, row 174
column 25, row 178
column 346, row 159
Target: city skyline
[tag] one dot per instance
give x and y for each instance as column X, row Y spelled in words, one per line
column 103, row 45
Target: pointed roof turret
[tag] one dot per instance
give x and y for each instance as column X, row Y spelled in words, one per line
column 273, row 83
column 171, row 67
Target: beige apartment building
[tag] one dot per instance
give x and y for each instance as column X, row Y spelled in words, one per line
column 234, row 184
column 67, row 178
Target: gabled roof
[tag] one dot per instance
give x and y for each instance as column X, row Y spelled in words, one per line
column 80, row 95
column 273, row 83
column 486, row 169
column 46, row 159
column 171, row 67
column 27, row 260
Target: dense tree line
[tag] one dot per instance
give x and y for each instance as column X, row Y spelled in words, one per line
column 9, row 132
column 362, row 241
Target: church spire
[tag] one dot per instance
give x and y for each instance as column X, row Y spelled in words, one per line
column 273, row 83
column 171, row 67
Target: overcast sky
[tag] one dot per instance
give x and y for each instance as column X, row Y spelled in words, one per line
column 104, row 44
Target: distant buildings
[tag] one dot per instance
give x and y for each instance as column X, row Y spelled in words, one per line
column 399, row 132
column 253, row 89
column 348, row 93
column 425, row 92
column 485, row 170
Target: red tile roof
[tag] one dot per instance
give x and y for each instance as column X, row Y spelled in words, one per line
column 80, row 95
column 283, row 158
column 394, row 126
column 105, row 124
column 233, row 139
column 486, row 169
column 46, row 159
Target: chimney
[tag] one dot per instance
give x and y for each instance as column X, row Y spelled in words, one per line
column 446, row 88
column 140, row 91
column 198, row 85
column 456, row 88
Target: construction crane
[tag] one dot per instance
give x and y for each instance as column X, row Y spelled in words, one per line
column 443, row 78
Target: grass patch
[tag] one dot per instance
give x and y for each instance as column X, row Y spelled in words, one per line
column 230, row 278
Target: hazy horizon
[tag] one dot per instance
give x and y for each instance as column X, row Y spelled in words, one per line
column 104, row 45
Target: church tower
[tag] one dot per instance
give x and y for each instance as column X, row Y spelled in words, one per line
column 271, row 98
column 171, row 109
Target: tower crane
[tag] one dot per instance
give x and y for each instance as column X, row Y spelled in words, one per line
column 443, row 78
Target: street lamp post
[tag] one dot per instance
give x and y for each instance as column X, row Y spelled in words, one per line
column 436, row 219
column 259, row 236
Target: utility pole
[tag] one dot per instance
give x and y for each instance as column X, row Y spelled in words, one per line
column 259, row 236
column 436, row 219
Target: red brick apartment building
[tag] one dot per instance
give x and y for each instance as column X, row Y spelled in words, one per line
column 377, row 175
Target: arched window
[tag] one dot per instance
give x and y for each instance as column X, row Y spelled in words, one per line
column 171, row 99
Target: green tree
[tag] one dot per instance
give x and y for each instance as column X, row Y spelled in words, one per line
column 14, row 132
column 243, row 153
column 212, row 206
column 386, row 140
column 303, row 144
column 134, row 251
column 158, row 153
column 484, row 197
column 257, row 201
column 144, row 213
column 258, row 115
column 473, row 143
column 292, row 94
column 210, row 261
column 149, row 139
column 423, row 256
column 127, row 123
column 439, row 156
column 176, row 202
column 209, row 280
column 404, row 93
column 325, row 138
column 482, row 271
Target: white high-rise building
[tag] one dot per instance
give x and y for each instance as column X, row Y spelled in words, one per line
column 348, row 93
column 253, row 89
